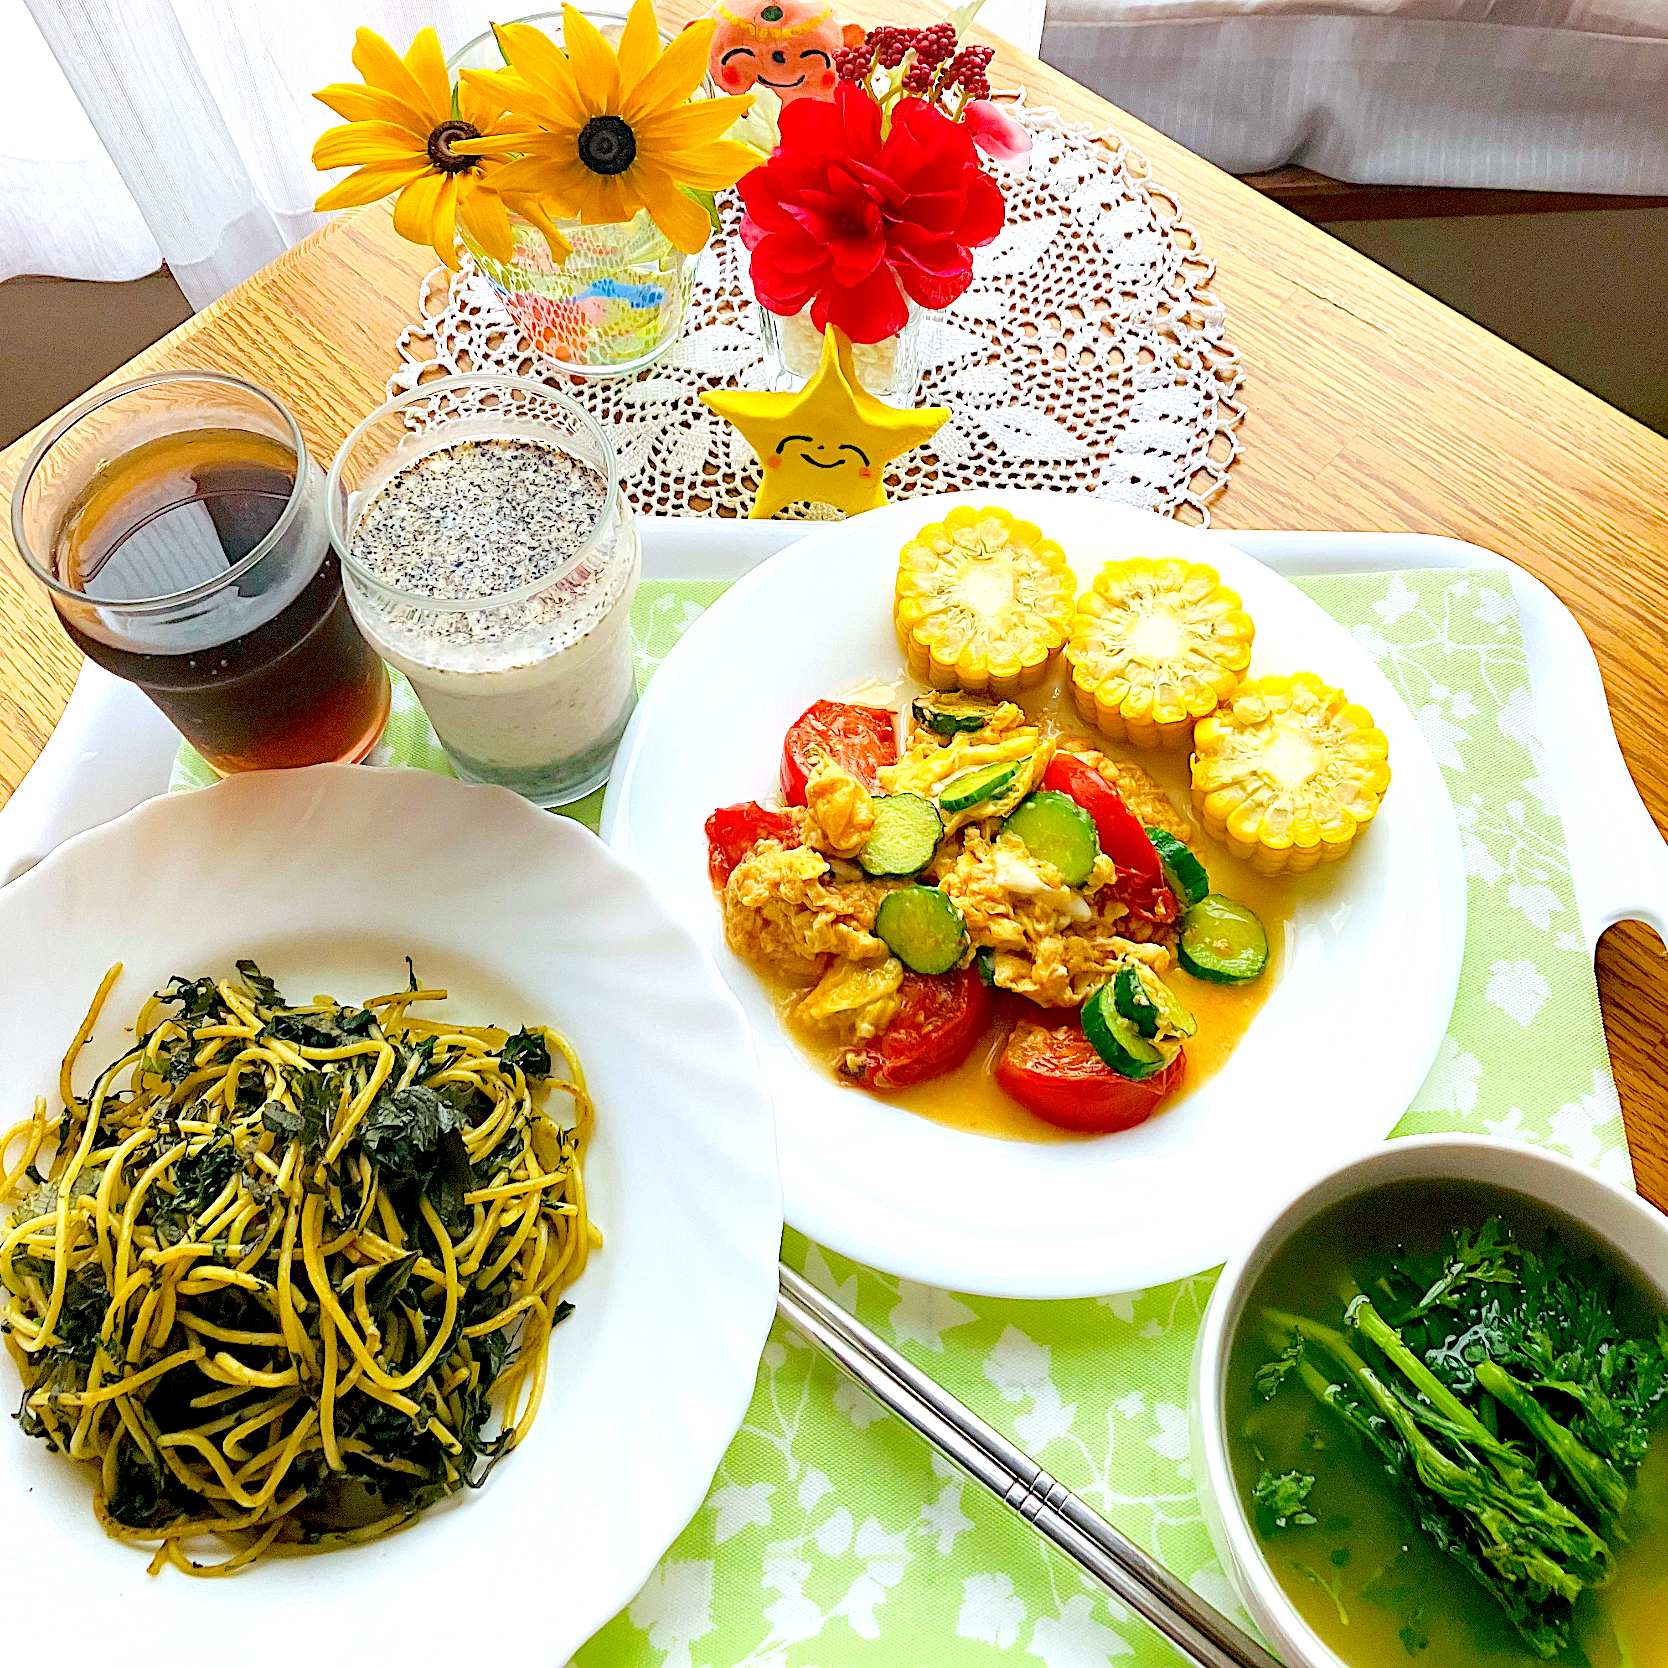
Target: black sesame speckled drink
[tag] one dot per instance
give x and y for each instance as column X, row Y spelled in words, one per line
column 189, row 557
column 490, row 556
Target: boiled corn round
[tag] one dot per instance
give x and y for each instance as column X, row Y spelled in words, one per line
column 1288, row 772
column 983, row 602
column 1153, row 647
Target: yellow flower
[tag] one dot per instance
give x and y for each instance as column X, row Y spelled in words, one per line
column 613, row 133
column 401, row 135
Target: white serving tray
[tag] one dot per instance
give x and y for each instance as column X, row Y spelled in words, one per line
column 112, row 749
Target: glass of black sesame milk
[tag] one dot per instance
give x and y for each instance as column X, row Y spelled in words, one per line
column 177, row 523
column 490, row 555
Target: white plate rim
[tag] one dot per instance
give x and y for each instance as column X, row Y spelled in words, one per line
column 1413, row 759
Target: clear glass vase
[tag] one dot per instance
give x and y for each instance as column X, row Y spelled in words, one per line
column 889, row 369
column 615, row 305
column 618, row 302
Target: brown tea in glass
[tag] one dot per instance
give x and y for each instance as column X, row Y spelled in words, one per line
column 177, row 524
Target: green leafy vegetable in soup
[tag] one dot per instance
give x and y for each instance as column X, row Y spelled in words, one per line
column 1481, row 1400
column 1281, row 1500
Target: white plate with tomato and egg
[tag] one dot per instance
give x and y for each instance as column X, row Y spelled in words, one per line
column 1083, row 882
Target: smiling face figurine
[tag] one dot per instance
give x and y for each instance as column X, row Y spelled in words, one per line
column 828, row 444
column 786, row 45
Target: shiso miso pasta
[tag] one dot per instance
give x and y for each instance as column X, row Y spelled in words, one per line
column 286, row 1275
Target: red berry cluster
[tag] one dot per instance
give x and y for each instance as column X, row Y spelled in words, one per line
column 890, row 43
column 935, row 44
column 853, row 63
column 967, row 69
column 936, row 70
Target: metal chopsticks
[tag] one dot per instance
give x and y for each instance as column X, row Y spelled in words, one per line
column 1200, row 1632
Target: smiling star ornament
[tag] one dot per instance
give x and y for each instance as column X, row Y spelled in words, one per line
column 831, row 442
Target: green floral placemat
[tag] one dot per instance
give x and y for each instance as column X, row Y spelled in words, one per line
column 832, row 1535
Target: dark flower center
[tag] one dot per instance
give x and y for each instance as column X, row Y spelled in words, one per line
column 441, row 141
column 607, row 145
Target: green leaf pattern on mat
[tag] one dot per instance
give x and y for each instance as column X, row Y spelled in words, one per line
column 831, row 1536
column 1450, row 644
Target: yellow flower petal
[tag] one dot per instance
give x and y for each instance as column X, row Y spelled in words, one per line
column 693, row 124
column 534, row 211
column 675, row 76
column 480, row 106
column 538, row 62
column 683, row 221
column 503, row 86
column 368, row 185
column 445, row 227
column 522, row 102
column 712, row 167
column 639, row 43
column 548, row 171
column 380, row 66
column 427, row 64
column 603, row 199
column 596, row 71
column 501, row 144
column 418, row 212
column 375, row 142
column 356, row 103
column 485, row 219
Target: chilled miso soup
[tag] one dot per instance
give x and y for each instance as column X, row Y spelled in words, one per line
column 1351, row 1553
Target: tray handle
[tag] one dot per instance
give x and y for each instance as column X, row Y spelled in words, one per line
column 1618, row 859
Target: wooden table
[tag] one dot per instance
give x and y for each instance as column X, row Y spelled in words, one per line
column 1371, row 408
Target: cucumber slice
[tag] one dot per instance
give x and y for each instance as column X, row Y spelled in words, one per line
column 973, row 786
column 984, row 960
column 1057, row 829
column 1116, row 1040
column 1132, row 998
column 906, row 834
column 951, row 715
column 1183, row 872
column 922, row 928
column 1222, row 941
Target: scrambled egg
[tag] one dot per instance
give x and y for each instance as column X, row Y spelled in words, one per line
column 790, row 909
column 785, row 910
column 853, row 1001
column 998, row 719
column 840, row 815
column 1054, row 945
column 927, row 767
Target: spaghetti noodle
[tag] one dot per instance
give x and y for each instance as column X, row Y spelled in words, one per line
column 286, row 1265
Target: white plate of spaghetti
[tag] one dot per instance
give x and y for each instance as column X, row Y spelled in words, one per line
column 388, row 1220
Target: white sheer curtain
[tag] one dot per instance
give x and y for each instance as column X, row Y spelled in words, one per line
column 63, row 207
column 179, row 130
column 206, row 119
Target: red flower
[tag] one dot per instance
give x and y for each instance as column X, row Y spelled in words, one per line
column 851, row 225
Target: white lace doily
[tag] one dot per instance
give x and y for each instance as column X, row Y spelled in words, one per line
column 1089, row 355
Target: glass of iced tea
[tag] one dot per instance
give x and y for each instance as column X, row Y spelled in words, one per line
column 178, row 524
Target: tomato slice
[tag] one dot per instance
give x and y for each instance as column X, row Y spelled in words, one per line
column 940, row 1018
column 1054, row 1072
column 1140, row 885
column 733, row 831
column 858, row 739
